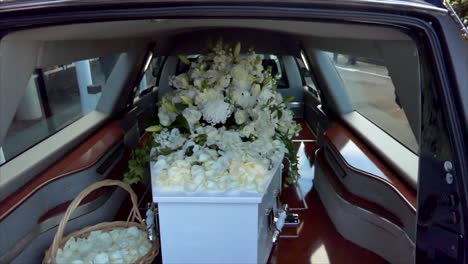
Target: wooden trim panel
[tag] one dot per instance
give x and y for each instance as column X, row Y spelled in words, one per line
column 358, row 157
column 306, row 133
column 84, row 156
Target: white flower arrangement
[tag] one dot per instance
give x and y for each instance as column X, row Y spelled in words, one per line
column 223, row 126
column 119, row 246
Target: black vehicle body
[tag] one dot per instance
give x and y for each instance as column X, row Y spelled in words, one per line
column 442, row 207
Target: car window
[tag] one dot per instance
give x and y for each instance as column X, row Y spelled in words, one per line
column 56, row 97
column 151, row 75
column 373, row 95
column 307, row 77
column 277, row 70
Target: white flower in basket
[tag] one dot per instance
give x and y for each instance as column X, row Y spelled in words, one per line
column 111, row 242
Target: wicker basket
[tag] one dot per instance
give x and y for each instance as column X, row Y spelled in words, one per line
column 59, row 240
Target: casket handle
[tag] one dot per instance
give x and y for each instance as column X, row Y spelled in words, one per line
column 274, row 231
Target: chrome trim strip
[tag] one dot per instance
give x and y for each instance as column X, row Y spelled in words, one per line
column 304, row 140
column 295, row 104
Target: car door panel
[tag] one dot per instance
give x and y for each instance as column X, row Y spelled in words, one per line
column 369, row 192
column 33, row 250
column 361, row 223
column 26, row 214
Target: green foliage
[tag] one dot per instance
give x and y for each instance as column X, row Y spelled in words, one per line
column 461, row 7
column 288, row 99
column 180, row 107
column 184, row 59
column 293, row 175
column 155, row 128
column 181, row 123
column 200, row 139
column 138, row 166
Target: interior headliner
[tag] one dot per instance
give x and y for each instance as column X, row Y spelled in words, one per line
column 157, row 28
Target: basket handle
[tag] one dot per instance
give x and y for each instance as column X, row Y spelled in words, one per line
column 134, row 213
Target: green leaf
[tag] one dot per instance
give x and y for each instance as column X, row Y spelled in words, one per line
column 266, row 81
column 214, row 147
column 165, row 151
column 200, row 139
column 170, row 107
column 180, row 107
column 237, row 50
column 186, row 99
column 189, row 151
column 181, row 122
column 204, row 85
column 155, row 128
column 288, row 99
column 184, row 59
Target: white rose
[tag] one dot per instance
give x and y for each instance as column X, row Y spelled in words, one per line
column 240, row 117
column 224, row 81
column 256, row 89
column 239, row 73
column 248, row 130
column 210, row 95
column 279, row 98
column 165, row 117
column 240, row 77
column 192, row 115
column 198, row 82
column 159, row 166
column 211, row 185
column 178, row 173
column 180, row 81
column 242, row 98
column 265, row 96
column 101, row 258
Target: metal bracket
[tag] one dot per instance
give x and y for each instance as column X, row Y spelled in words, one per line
column 151, row 221
column 454, row 15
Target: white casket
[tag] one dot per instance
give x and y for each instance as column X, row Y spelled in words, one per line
column 217, row 227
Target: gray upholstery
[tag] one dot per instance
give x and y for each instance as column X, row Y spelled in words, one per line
column 379, row 193
column 34, row 252
column 405, row 76
column 362, row 227
column 25, row 219
column 333, row 91
column 168, row 70
column 295, row 87
column 16, row 66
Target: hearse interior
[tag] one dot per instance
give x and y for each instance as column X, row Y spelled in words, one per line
column 76, row 97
